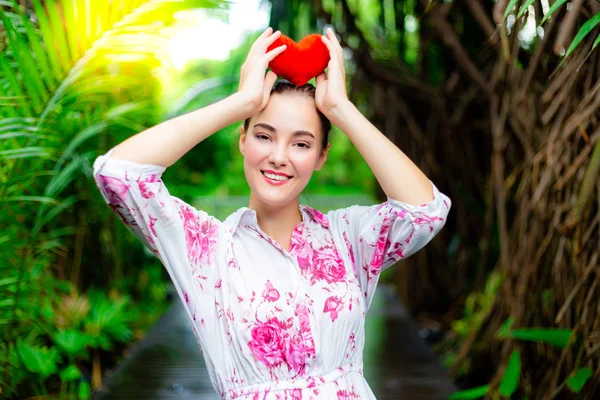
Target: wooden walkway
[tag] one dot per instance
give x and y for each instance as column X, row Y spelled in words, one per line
column 168, row 365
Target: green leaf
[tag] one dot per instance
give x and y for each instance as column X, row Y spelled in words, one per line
column 59, row 34
column 9, row 281
column 596, row 42
column 509, row 7
column 26, row 65
column 524, row 8
column 40, row 199
column 38, row 360
column 70, row 373
column 556, row 337
column 71, row 341
column 10, row 302
column 82, row 136
column 7, row 72
column 41, row 56
column 474, row 393
column 510, row 380
column 552, row 9
column 47, row 35
column 579, row 379
column 45, row 217
column 25, row 152
column 85, row 390
column 66, row 175
column 583, row 32
column 505, row 328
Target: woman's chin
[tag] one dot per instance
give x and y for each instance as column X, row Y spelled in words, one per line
column 276, row 201
column 275, row 198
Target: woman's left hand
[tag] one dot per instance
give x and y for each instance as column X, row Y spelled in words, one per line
column 331, row 87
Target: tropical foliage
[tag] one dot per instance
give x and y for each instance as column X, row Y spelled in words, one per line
column 77, row 77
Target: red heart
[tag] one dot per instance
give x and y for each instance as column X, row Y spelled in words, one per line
column 300, row 62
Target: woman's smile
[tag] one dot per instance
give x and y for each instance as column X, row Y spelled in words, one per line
column 275, row 178
column 274, row 175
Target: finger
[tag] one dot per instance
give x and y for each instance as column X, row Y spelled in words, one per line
column 266, row 33
column 332, row 50
column 270, row 79
column 275, row 52
column 262, row 36
column 335, row 49
column 271, row 39
column 333, row 37
column 321, row 78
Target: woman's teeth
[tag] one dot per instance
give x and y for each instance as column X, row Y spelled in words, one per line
column 276, row 177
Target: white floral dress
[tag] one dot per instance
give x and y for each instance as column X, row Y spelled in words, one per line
column 271, row 323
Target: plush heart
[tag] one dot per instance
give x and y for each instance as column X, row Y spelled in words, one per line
column 300, row 62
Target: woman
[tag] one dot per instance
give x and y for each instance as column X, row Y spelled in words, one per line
column 278, row 292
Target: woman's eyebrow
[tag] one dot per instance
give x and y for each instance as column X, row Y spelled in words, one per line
column 272, row 129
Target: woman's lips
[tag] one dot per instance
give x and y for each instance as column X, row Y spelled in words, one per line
column 271, row 172
column 273, row 181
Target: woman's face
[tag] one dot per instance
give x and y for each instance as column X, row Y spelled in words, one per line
column 282, row 148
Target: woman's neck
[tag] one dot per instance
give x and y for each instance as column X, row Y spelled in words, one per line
column 277, row 222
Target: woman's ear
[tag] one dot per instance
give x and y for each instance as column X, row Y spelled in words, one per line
column 322, row 157
column 242, row 140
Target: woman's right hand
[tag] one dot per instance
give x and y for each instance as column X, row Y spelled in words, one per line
column 254, row 86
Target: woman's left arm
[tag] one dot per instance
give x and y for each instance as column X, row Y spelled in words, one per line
column 398, row 176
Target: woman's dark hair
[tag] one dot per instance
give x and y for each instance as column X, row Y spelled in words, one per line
column 308, row 89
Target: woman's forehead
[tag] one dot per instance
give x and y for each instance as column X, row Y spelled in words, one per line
column 288, row 113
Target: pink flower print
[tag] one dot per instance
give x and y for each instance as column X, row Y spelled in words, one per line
column 321, row 218
column 349, row 246
column 304, row 257
column 328, row 266
column 303, row 314
column 192, row 232
column 333, row 305
column 296, row 239
column 115, row 189
column 201, row 237
column 402, row 214
column 268, row 342
column 380, row 248
column 296, row 354
column 270, row 293
column 297, row 394
column 347, row 395
column 151, row 224
column 146, row 186
column 424, row 219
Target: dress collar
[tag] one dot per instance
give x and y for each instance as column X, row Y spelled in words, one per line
column 247, row 216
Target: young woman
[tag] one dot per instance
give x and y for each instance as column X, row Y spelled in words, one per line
column 277, row 293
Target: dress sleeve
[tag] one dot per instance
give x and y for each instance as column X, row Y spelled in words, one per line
column 376, row 237
column 182, row 237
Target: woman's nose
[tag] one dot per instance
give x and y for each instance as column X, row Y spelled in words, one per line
column 279, row 155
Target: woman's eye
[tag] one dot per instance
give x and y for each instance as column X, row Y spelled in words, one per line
column 303, row 145
column 262, row 137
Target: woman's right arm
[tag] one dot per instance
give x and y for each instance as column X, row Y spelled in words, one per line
column 168, row 141
column 129, row 175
